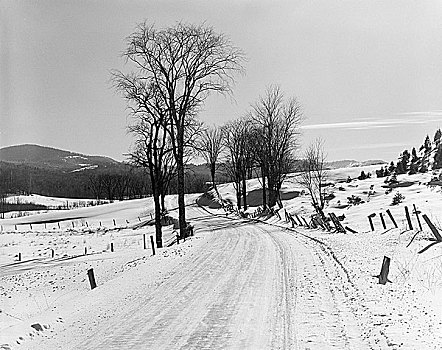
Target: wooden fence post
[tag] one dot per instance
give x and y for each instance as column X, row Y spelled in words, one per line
column 293, row 221
column 350, row 229
column 19, row 256
column 85, row 250
column 370, row 219
column 391, row 218
column 305, row 221
column 90, row 274
column 383, row 276
column 144, row 241
column 383, row 221
column 416, row 212
column 112, row 247
column 407, row 214
column 52, row 253
column 432, row 228
column 177, row 239
column 115, row 224
column 299, row 220
column 152, row 244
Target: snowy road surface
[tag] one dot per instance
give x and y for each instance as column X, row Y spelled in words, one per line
column 250, row 286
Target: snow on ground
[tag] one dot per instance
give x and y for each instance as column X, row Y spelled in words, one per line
column 408, row 310
column 50, row 201
column 337, row 301
column 41, row 281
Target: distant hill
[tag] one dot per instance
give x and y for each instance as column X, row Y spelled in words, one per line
column 352, row 163
column 53, row 158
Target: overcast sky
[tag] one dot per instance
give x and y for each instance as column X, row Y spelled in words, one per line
column 367, row 73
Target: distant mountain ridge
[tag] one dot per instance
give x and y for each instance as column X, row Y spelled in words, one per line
column 347, row 163
column 53, row 158
column 56, row 159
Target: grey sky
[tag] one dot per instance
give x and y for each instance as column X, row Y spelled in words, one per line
column 367, row 73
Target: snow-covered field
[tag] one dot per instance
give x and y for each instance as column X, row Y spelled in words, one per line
column 236, row 284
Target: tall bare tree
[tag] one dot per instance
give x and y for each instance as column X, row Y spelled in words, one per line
column 183, row 64
column 233, row 139
column 313, row 174
column 277, row 122
column 149, row 125
column 210, row 147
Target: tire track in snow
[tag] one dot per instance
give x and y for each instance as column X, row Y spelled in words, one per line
column 250, row 287
column 212, row 303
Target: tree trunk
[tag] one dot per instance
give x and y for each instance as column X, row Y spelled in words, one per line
column 163, row 205
column 212, row 174
column 158, row 232
column 238, row 195
column 272, row 196
column 181, row 190
column 264, row 194
column 279, row 200
column 244, row 191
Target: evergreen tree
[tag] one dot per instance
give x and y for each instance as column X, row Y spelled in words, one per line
column 437, row 137
column 402, row 164
column 437, row 164
column 426, row 150
column 414, row 163
column 380, row 172
column 391, row 168
column 438, row 157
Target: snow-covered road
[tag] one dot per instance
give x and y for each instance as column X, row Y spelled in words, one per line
column 250, row 286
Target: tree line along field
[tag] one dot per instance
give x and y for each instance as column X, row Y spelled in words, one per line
column 119, row 183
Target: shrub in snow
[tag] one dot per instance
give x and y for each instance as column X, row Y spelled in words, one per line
column 354, row 200
column 398, row 198
column 363, row 176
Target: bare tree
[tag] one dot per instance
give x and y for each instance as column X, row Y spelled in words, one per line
column 210, row 147
column 149, row 126
column 239, row 156
column 276, row 122
column 96, row 185
column 232, row 141
column 313, row 174
column 183, row 64
column 109, row 185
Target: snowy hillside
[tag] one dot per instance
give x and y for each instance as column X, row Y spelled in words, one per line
column 253, row 280
column 52, row 158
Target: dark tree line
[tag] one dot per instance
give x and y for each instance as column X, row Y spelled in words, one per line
column 112, row 184
column 428, row 157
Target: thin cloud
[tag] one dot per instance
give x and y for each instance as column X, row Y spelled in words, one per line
column 409, row 118
column 375, row 146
